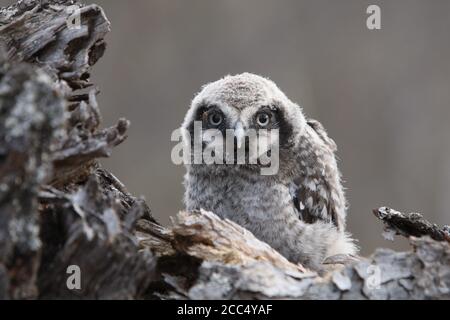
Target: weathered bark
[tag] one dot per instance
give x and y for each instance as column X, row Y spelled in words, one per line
column 411, row 224
column 59, row 208
column 31, row 114
column 224, row 261
column 84, row 228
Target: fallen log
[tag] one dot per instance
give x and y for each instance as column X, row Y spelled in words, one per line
column 221, row 260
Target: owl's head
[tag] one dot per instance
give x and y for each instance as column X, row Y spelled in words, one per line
column 244, row 103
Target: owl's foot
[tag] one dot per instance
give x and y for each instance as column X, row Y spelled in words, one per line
column 341, row 259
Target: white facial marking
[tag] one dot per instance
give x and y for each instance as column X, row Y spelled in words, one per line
column 239, row 134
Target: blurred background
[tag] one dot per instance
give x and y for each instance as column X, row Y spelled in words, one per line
column 384, row 95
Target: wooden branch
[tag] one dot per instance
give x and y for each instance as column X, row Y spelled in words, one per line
column 410, row 224
column 59, row 207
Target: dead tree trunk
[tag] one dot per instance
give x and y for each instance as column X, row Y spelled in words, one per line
column 59, row 208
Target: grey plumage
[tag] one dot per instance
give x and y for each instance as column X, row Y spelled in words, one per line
column 301, row 210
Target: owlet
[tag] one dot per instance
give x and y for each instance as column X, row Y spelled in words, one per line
column 299, row 208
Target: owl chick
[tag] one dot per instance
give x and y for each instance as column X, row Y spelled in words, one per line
column 301, row 209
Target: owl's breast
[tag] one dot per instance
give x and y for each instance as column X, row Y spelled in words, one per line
column 244, row 199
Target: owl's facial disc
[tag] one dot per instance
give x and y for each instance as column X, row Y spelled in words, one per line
column 232, row 136
column 249, row 109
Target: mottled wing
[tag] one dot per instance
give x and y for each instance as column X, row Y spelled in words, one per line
column 313, row 195
column 322, row 133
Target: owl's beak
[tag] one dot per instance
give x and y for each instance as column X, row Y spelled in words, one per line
column 239, row 133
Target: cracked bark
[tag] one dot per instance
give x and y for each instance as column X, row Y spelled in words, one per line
column 59, row 207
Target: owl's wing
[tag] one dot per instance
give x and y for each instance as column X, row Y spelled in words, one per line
column 322, row 133
column 312, row 197
column 313, row 205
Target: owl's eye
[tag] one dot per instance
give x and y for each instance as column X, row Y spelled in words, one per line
column 215, row 119
column 263, row 119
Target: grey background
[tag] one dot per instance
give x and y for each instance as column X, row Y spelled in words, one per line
column 384, row 96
